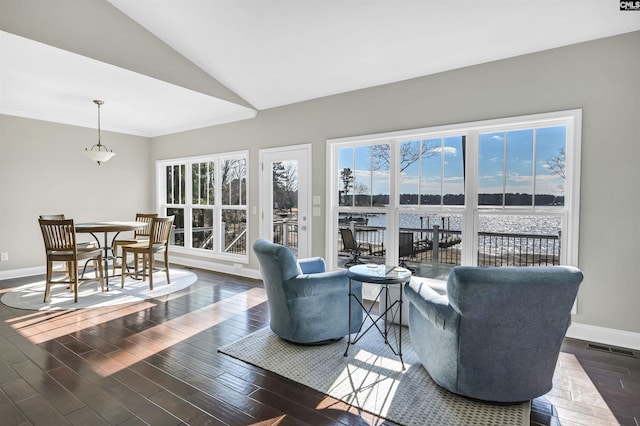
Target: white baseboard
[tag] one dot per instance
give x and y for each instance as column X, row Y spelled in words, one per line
column 25, row 272
column 608, row 336
column 208, row 265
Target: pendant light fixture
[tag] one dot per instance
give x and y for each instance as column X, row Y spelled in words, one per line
column 99, row 153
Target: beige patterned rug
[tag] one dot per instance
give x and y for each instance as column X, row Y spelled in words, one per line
column 30, row 296
column 371, row 378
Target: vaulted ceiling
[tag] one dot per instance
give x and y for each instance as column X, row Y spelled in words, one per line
column 164, row 66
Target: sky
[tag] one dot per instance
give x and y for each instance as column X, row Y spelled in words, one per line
column 507, row 161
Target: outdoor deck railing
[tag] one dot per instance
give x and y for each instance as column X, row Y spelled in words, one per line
column 494, row 249
column 286, row 233
column 501, row 249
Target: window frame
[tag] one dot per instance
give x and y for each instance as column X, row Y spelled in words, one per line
column 217, row 208
column 470, row 211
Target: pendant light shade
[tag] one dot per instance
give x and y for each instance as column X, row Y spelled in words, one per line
column 98, row 152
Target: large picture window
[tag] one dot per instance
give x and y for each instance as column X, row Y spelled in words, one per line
column 208, row 196
column 500, row 192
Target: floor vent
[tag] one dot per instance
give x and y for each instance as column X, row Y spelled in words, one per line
column 612, row 349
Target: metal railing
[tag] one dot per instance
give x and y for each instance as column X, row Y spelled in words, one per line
column 494, row 249
column 422, row 249
column 286, row 233
column 501, row 249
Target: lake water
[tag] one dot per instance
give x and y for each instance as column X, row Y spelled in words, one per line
column 511, row 224
column 507, row 224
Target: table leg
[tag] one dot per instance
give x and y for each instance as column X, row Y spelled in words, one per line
column 389, row 309
column 349, row 329
column 386, row 320
column 106, row 260
column 400, row 329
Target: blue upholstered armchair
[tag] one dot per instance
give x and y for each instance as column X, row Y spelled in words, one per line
column 307, row 304
column 496, row 335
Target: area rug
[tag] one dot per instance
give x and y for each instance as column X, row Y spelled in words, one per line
column 371, row 378
column 30, row 296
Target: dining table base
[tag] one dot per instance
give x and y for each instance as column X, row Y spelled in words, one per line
column 93, row 228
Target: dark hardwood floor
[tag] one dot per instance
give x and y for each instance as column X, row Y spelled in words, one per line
column 156, row 363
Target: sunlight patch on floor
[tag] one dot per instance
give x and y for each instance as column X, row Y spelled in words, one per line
column 162, row 336
column 42, row 326
column 369, row 373
column 575, row 397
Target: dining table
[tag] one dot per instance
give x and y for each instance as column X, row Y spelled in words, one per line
column 106, row 228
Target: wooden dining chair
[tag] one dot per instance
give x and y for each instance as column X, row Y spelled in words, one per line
column 139, row 235
column 60, row 246
column 61, row 217
column 81, row 244
column 158, row 242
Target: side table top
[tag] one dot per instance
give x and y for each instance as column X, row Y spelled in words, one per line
column 379, row 274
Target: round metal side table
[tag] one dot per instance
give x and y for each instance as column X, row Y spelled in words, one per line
column 385, row 275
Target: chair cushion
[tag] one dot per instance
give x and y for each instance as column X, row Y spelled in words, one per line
column 143, row 246
column 65, row 255
column 312, row 265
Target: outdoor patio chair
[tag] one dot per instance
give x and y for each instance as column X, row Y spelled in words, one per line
column 352, row 247
column 406, row 249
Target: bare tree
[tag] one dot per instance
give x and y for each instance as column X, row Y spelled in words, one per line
column 285, row 185
column 360, row 188
column 558, row 164
column 409, row 154
column 234, row 174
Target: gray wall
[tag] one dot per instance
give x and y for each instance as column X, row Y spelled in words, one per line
column 601, row 77
column 43, row 170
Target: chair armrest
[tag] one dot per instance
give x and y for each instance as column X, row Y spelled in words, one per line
column 306, row 285
column 432, row 305
column 312, row 265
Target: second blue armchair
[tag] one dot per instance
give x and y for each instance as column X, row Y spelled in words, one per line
column 497, row 333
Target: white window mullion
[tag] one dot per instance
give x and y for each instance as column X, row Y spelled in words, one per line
column 534, row 166
column 505, row 143
column 442, row 155
column 188, row 206
column 217, row 209
column 470, row 221
column 331, row 199
column 392, row 213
